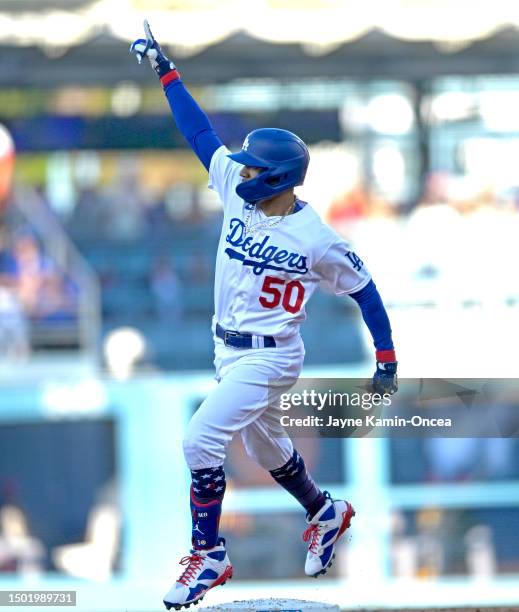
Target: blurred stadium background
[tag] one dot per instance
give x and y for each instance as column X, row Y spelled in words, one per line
column 107, row 242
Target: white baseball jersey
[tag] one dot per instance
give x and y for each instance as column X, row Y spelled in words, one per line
column 264, row 280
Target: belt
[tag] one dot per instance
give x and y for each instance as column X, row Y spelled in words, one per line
column 244, row 341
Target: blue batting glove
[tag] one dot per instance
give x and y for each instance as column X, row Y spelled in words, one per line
column 150, row 48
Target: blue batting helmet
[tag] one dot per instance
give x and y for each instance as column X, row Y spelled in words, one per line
column 283, row 156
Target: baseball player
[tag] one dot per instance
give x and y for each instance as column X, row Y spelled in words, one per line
column 273, row 252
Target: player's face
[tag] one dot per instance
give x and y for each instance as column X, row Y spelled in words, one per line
column 249, row 172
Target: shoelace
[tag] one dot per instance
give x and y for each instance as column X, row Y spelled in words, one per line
column 312, row 533
column 193, row 563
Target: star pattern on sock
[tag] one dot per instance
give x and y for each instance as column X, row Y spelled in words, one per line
column 294, row 477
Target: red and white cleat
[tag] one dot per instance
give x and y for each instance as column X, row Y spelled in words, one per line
column 323, row 532
column 205, row 570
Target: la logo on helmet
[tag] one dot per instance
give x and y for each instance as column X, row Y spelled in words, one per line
column 246, row 143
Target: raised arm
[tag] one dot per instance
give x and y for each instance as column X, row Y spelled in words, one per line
column 189, row 117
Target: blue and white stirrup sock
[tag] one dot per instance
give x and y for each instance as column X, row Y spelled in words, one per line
column 207, row 491
column 294, row 477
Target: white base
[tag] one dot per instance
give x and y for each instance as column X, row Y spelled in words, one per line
column 272, row 605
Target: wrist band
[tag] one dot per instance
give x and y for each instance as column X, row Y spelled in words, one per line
column 385, row 356
column 172, row 75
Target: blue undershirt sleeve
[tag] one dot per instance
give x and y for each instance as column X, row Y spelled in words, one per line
column 375, row 316
column 192, row 122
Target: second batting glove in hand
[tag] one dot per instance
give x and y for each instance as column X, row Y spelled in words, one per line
column 149, row 47
column 385, row 380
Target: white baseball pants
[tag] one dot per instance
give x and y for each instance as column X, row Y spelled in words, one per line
column 246, row 400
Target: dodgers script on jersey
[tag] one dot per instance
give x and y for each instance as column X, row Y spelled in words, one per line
column 266, row 273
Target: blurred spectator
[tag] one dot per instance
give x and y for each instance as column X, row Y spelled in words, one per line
column 124, row 203
column 14, row 337
column 7, row 260
column 348, row 206
column 124, row 349
column 166, row 289
column 57, row 300
column 19, row 550
column 33, row 270
column 433, row 541
column 95, row 557
column 43, row 290
column 14, row 333
column 480, row 555
column 33, row 286
column 7, row 161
